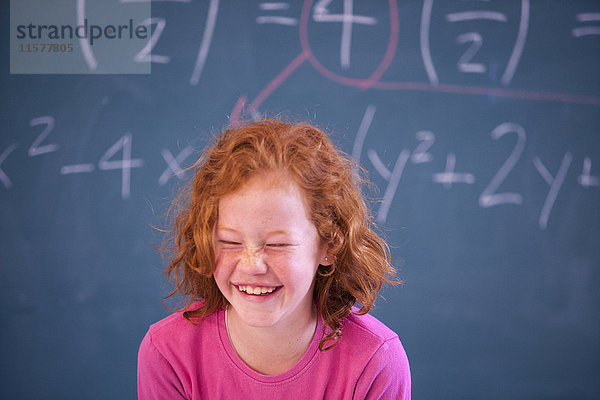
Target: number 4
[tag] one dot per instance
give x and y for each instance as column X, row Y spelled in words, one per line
column 125, row 164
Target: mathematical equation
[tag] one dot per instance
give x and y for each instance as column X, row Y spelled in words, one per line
column 314, row 19
column 491, row 195
column 119, row 156
column 107, row 161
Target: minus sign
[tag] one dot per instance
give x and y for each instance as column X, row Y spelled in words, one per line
column 76, row 169
column 277, row 20
column 274, row 6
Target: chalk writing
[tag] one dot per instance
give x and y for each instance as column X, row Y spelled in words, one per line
column 125, row 164
column 174, row 164
column 464, row 65
column 145, row 55
column 424, row 41
column 475, row 15
column 35, row 149
column 209, row 28
column 517, row 51
column 321, row 13
column 555, row 184
column 274, row 6
column 347, row 18
column 420, row 154
column 449, row 176
column 585, row 179
column 77, row 169
column 586, row 30
column 88, row 54
column 3, row 177
column 489, row 197
column 274, row 19
column 496, row 190
column 106, row 163
column 362, row 132
column 393, row 179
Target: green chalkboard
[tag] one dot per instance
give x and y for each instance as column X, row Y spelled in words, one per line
column 477, row 121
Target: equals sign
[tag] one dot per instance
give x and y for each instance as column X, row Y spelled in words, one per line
column 274, row 19
column 587, row 30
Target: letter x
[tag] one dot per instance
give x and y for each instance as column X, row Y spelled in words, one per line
column 174, row 164
column 3, row 177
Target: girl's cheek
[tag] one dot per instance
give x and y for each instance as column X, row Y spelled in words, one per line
column 224, row 266
column 219, row 259
column 224, row 257
column 284, row 264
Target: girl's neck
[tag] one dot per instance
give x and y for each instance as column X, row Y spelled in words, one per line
column 270, row 350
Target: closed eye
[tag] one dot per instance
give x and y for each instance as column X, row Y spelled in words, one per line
column 229, row 243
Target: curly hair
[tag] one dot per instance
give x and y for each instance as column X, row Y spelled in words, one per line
column 328, row 178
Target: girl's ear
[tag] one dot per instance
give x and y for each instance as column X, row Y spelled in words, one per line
column 326, row 260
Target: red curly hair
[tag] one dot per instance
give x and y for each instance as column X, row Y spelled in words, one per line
column 361, row 258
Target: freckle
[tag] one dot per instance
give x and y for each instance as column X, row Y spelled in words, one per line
column 250, row 256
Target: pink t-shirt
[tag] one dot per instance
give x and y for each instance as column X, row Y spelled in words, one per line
column 178, row 360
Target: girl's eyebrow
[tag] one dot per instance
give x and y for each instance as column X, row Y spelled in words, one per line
column 280, row 232
column 224, row 228
column 275, row 232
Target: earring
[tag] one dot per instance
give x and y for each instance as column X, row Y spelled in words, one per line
column 326, row 270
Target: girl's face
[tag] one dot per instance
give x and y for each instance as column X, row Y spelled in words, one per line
column 267, row 252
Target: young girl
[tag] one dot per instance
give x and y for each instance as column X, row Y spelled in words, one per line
column 273, row 246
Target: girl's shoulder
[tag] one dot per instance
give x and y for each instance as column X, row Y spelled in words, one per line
column 176, row 326
column 367, row 328
column 374, row 358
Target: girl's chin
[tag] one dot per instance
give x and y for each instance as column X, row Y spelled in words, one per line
column 252, row 318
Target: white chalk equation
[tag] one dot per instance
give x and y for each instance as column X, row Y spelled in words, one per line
column 587, row 30
column 466, row 63
column 271, row 9
column 490, row 40
column 119, row 156
column 493, row 193
column 158, row 26
column 344, row 20
column 317, row 19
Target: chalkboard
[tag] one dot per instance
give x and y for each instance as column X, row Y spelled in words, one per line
column 477, row 121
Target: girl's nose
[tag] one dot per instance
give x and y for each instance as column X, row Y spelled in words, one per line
column 252, row 261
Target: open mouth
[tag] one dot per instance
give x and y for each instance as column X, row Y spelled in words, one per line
column 257, row 290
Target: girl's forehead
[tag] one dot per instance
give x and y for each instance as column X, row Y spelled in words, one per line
column 266, row 195
column 278, row 180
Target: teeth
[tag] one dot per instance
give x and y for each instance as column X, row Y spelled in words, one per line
column 256, row 289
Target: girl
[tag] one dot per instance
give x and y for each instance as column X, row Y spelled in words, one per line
column 273, row 246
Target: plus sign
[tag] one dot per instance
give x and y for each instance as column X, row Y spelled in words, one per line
column 448, row 177
column 321, row 14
